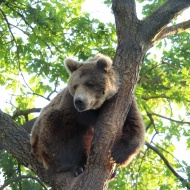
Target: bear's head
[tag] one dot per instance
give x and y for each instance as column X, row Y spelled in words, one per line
column 91, row 82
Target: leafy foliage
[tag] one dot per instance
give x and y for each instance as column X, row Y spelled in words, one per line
column 35, row 38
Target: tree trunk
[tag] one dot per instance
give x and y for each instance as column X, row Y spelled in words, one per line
column 135, row 37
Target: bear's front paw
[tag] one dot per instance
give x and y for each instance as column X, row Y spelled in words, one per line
column 119, row 154
column 55, row 117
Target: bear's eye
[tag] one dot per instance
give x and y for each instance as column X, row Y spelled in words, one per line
column 75, row 87
column 89, row 85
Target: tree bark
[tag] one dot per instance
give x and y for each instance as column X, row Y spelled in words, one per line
column 172, row 30
column 135, row 37
column 159, row 19
column 15, row 140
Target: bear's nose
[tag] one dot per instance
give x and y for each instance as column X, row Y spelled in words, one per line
column 79, row 104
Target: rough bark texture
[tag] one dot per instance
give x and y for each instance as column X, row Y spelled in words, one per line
column 15, row 140
column 135, row 37
column 171, row 30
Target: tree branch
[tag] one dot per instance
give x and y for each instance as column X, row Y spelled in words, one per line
column 156, row 22
column 173, row 120
column 54, row 90
column 168, row 164
column 145, row 97
column 125, row 18
column 172, row 30
column 107, row 128
column 19, row 147
column 169, row 154
column 16, row 179
column 25, row 112
column 151, row 122
column 8, row 25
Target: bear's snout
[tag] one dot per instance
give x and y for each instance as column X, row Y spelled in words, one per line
column 79, row 104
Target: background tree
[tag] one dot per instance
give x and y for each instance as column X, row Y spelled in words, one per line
column 35, row 38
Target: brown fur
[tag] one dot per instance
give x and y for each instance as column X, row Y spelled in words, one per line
column 62, row 135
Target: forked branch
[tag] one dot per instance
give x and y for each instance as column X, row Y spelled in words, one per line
column 172, row 30
column 155, row 23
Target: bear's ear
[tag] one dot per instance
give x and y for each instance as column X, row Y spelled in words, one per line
column 71, row 65
column 103, row 65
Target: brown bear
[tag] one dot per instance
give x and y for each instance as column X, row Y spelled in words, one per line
column 61, row 136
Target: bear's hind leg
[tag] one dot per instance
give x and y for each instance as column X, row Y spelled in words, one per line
column 80, row 165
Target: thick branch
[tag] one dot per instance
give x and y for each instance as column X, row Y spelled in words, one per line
column 167, row 164
column 25, row 112
column 125, row 18
column 18, row 146
column 172, row 30
column 15, row 140
column 127, row 62
column 161, row 17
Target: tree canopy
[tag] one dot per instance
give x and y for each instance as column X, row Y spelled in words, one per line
column 35, row 38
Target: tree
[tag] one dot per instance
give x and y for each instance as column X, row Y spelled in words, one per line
column 49, row 31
